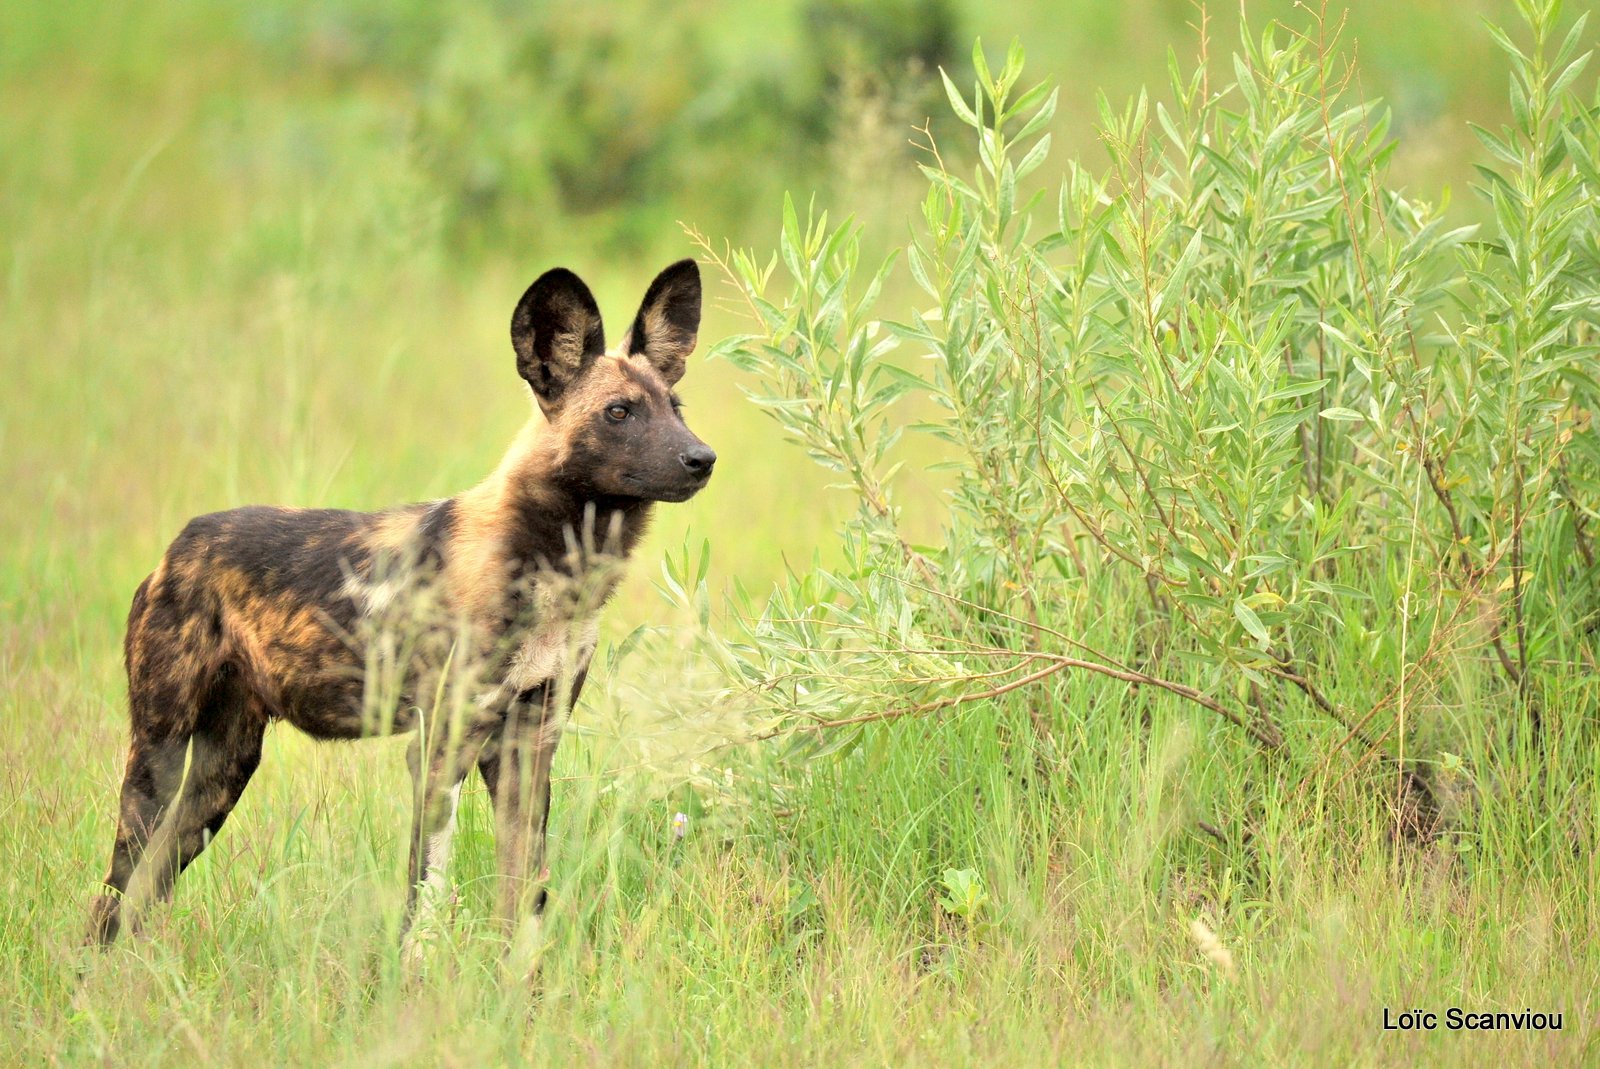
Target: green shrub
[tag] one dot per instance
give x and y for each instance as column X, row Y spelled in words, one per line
column 1299, row 451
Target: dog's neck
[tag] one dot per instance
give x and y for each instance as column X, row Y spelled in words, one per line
column 538, row 516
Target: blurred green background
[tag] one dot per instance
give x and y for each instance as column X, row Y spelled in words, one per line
column 268, row 252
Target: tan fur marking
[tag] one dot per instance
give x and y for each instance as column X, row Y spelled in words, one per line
column 566, row 346
column 395, row 531
column 610, row 377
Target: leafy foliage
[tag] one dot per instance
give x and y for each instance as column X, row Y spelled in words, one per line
column 1326, row 457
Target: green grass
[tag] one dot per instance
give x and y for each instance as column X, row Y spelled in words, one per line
column 222, row 284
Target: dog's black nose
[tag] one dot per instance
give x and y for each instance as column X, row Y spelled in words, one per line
column 698, row 460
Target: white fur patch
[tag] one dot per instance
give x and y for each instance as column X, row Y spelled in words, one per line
column 551, row 653
column 375, row 599
column 433, row 897
column 439, row 847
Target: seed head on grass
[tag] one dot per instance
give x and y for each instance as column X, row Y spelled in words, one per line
column 1212, row 948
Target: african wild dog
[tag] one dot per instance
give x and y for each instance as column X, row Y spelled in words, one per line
column 263, row 614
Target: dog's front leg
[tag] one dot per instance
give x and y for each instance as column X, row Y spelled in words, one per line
column 516, row 766
column 439, row 760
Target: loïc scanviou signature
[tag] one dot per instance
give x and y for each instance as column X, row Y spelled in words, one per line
column 1456, row 1019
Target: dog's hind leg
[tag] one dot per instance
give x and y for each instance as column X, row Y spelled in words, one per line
column 150, row 782
column 169, row 813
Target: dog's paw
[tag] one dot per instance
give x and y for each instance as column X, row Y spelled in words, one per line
column 525, row 950
column 427, row 931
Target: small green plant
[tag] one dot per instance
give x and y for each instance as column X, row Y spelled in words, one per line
column 964, row 895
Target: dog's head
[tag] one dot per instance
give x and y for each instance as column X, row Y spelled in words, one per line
column 620, row 423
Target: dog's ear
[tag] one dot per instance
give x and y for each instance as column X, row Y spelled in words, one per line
column 557, row 334
column 668, row 322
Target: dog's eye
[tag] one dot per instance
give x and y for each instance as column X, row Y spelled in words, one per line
column 677, row 405
column 617, row 413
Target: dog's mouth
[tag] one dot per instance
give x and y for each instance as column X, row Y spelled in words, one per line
column 684, row 491
column 681, row 490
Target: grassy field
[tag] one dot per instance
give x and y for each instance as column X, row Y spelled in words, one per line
column 225, row 281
